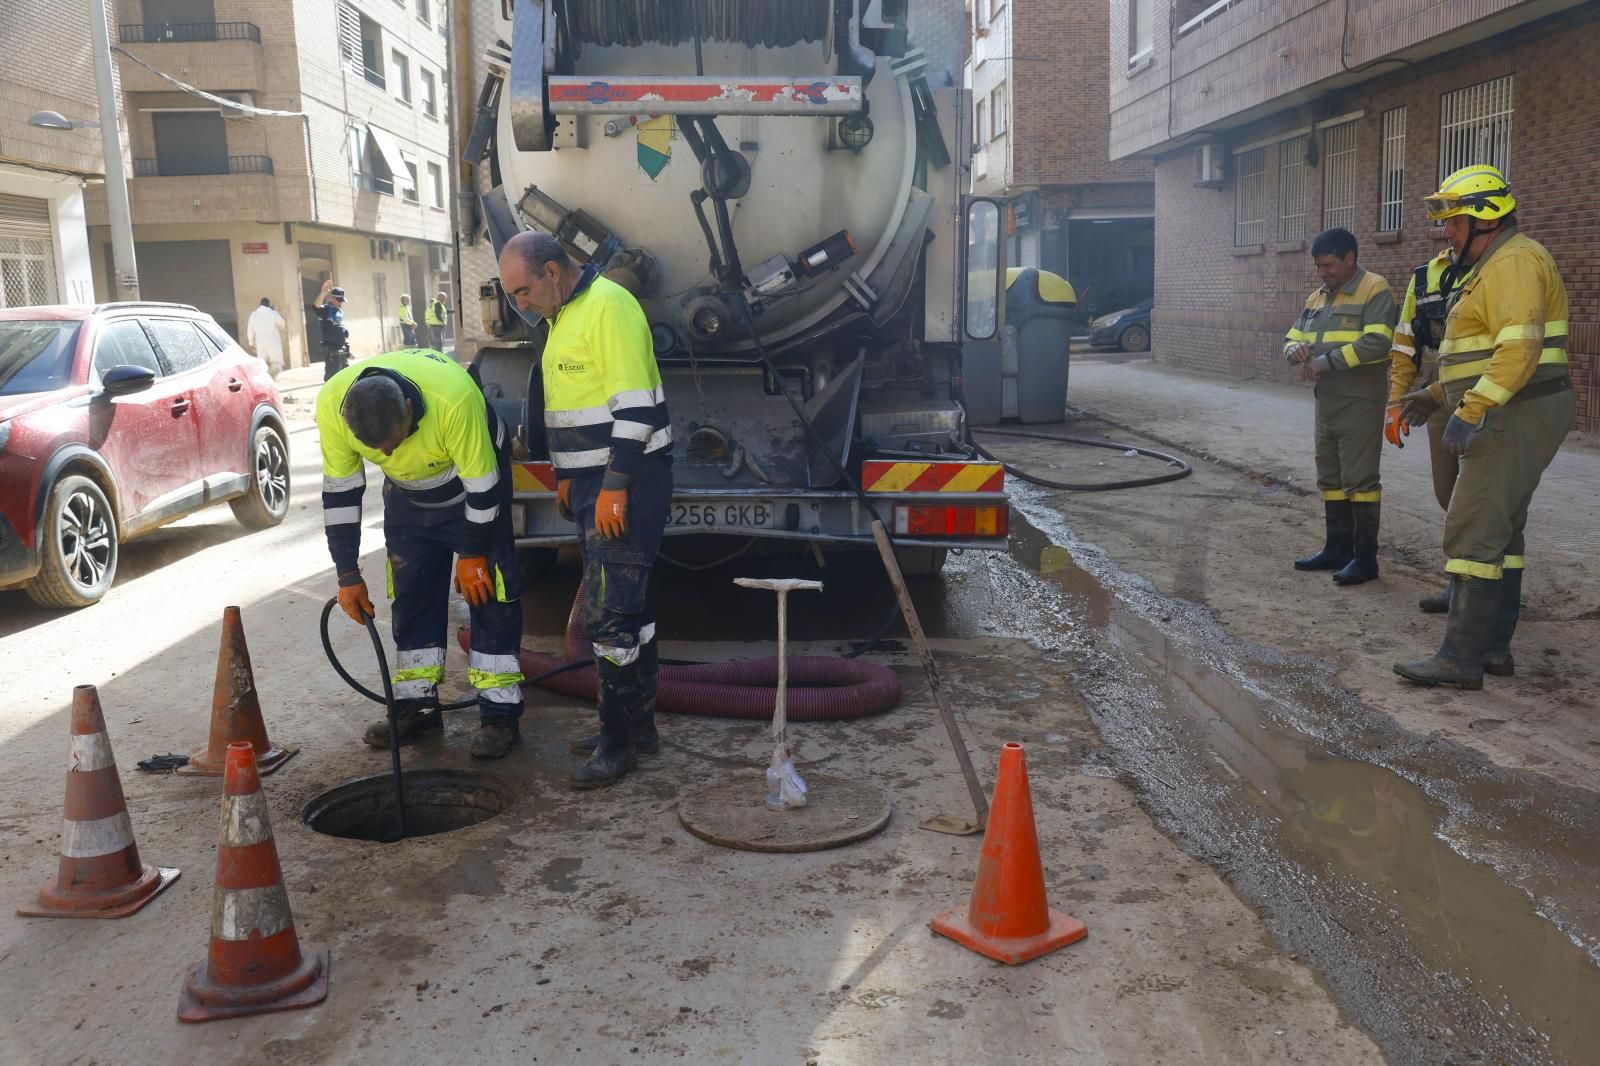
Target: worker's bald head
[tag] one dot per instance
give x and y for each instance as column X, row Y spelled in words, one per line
column 537, row 273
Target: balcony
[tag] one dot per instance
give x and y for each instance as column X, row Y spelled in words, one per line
column 187, row 32
column 186, row 166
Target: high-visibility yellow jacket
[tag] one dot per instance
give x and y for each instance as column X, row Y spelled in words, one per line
column 406, row 318
column 437, row 313
column 1405, row 360
column 604, row 408
column 1507, row 328
column 1350, row 331
column 446, row 460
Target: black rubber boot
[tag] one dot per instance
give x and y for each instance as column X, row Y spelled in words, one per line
column 496, row 737
column 1437, row 603
column 1363, row 565
column 1336, row 550
column 1497, row 660
column 412, row 719
column 1459, row 661
column 646, row 741
column 620, row 689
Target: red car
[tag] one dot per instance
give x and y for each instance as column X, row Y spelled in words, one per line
column 115, row 420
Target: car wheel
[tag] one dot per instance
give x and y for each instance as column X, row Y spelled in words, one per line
column 1135, row 339
column 77, row 546
column 268, row 499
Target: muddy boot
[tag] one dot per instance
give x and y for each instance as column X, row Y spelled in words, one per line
column 1497, row 659
column 1336, row 550
column 496, row 737
column 1459, row 661
column 412, row 719
column 1437, row 603
column 642, row 721
column 620, row 688
column 1364, row 563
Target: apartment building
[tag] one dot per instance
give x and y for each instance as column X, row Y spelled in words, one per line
column 44, row 241
column 1041, row 134
column 349, row 180
column 1271, row 120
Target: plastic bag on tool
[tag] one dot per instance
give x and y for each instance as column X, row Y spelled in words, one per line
column 786, row 789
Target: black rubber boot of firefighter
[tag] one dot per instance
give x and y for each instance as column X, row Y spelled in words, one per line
column 620, row 690
column 496, row 737
column 1363, row 565
column 1497, row 660
column 646, row 741
column 412, row 719
column 1335, row 553
column 1436, row 603
column 1459, row 661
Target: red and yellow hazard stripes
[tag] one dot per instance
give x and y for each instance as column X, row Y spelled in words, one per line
column 533, row 477
column 885, row 476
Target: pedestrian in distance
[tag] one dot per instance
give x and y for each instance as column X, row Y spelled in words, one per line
column 610, row 439
column 408, row 322
column 264, row 331
column 1504, row 379
column 335, row 338
column 420, row 418
column 1342, row 341
column 438, row 315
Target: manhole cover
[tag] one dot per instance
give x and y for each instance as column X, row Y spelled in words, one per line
column 732, row 814
column 437, row 801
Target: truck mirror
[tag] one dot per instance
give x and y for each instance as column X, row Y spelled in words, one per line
column 983, row 275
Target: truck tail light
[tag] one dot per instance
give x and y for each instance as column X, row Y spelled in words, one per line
column 919, row 520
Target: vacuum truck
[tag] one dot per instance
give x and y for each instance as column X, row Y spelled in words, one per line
column 780, row 183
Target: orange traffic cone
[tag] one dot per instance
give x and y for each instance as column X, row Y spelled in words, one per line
column 235, row 710
column 100, row 875
column 1008, row 918
column 256, row 964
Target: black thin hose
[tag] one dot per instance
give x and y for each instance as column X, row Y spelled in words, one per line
column 1097, row 486
column 393, row 713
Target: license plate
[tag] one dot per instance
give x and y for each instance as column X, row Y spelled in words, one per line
column 744, row 514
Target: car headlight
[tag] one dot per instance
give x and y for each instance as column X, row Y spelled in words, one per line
column 1100, row 323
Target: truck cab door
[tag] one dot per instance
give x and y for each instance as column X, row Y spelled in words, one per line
column 983, row 308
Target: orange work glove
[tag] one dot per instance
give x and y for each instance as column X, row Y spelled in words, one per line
column 611, row 513
column 564, row 498
column 353, row 599
column 473, row 580
column 1395, row 427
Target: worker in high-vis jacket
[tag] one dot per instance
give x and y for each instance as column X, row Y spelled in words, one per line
column 1414, row 364
column 610, row 440
column 1341, row 341
column 1503, row 379
column 421, row 419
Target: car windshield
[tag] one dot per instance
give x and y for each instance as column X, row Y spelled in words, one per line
column 36, row 356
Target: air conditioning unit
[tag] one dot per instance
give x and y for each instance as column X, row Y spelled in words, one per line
column 247, row 99
column 1210, row 170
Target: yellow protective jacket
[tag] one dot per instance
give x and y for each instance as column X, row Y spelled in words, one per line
column 1405, row 361
column 1507, row 328
column 604, row 408
column 1350, row 331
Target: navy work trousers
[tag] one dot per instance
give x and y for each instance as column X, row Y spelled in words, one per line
column 618, row 615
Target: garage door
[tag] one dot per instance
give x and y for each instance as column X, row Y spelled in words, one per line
column 27, row 252
column 190, row 272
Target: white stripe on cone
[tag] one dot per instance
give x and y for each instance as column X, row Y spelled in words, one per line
column 244, row 820
column 236, row 913
column 86, row 753
column 100, row 836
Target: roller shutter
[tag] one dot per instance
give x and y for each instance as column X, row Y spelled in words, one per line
column 190, row 272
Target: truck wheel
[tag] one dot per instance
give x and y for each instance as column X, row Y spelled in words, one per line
column 920, row 562
column 77, row 546
column 1134, row 339
column 267, row 501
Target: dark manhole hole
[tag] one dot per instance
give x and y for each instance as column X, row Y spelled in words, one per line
column 437, row 801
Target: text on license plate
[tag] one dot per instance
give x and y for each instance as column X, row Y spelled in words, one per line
column 748, row 514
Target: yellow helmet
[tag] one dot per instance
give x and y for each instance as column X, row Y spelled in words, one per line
column 1480, row 191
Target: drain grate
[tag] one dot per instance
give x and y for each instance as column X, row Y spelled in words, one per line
column 437, row 801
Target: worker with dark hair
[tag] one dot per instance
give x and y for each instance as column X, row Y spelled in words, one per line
column 421, row 419
column 1341, row 341
column 610, row 440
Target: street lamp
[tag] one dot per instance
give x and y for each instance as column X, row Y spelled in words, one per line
column 55, row 120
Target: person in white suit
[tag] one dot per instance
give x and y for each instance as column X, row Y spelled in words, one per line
column 264, row 333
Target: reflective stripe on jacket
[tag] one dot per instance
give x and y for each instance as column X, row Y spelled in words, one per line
column 1354, row 328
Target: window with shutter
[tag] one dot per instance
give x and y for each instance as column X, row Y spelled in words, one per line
column 350, row 38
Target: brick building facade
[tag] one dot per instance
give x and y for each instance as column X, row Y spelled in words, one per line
column 1041, row 134
column 1309, row 118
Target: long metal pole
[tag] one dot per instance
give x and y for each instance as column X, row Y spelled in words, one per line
column 125, row 268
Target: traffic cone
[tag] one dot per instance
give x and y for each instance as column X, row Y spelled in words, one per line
column 1008, row 918
column 100, row 875
column 256, row 964
column 235, row 710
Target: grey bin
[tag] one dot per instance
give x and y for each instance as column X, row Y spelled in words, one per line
column 1039, row 317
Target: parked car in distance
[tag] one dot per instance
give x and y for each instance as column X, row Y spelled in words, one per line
column 1128, row 329
column 115, row 420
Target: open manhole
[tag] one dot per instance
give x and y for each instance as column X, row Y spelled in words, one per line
column 437, row 801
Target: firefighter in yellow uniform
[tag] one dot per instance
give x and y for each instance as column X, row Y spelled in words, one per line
column 1342, row 340
column 1503, row 378
column 1414, row 364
